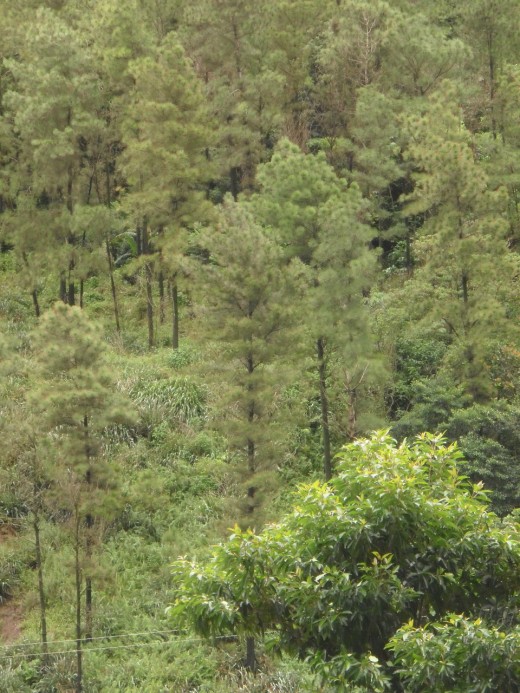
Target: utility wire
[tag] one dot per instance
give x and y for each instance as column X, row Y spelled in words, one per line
column 100, row 637
column 117, row 647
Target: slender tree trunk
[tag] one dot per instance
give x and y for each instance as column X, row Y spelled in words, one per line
column 250, row 661
column 63, row 288
column 109, row 254
column 36, row 303
column 235, row 181
column 175, row 313
column 77, row 571
column 251, row 448
column 112, row 284
column 89, row 524
column 352, row 414
column 149, row 288
column 88, row 584
column 34, row 293
column 41, row 589
column 322, row 372
column 409, row 264
column 149, row 304
column 71, row 294
column 251, row 461
column 71, row 291
column 81, row 291
column 491, row 64
column 160, row 281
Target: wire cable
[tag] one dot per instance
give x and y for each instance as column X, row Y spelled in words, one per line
column 35, row 643
column 118, row 647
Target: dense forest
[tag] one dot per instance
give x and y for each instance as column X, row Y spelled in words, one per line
column 259, row 270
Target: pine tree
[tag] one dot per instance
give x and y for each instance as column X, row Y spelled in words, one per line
column 54, row 104
column 166, row 134
column 226, row 41
column 76, row 401
column 249, row 291
column 465, row 262
column 319, row 223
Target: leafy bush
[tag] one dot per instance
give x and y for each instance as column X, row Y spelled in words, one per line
column 488, row 436
column 458, row 655
column 397, row 535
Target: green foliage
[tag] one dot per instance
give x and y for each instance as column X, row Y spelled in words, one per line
column 397, row 535
column 333, row 126
column 487, row 435
column 249, row 312
column 458, row 655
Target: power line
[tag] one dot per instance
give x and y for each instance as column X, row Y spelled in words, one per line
column 118, row 647
column 100, row 637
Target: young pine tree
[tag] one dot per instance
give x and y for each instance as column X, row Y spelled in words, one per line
column 249, row 293
column 166, row 134
column 319, row 223
column 466, row 277
column 76, row 402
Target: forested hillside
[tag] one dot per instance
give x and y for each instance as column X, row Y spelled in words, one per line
column 236, row 238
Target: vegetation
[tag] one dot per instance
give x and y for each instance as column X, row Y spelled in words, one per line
column 235, row 236
column 396, row 538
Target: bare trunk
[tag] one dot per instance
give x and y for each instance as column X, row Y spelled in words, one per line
column 34, row 293
column 148, row 274
column 235, row 181
column 36, row 303
column 41, row 589
column 251, row 448
column 89, row 524
column 175, row 314
column 322, row 372
column 352, row 414
column 149, row 304
column 63, row 288
column 71, row 291
column 250, row 661
column 160, row 280
column 251, row 461
column 112, row 284
column 77, row 570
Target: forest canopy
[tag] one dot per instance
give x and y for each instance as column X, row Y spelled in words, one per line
column 237, row 238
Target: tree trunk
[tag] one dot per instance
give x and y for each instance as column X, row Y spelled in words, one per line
column 41, row 589
column 352, row 414
column 110, row 260
column 63, row 288
column 251, row 448
column 112, row 284
column 251, row 461
column 36, row 303
column 81, row 292
column 149, row 304
column 161, row 297
column 71, row 292
column 175, row 314
column 34, row 293
column 235, row 181
column 250, row 660
column 322, row 372
column 89, row 524
column 77, row 570
column 148, row 274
